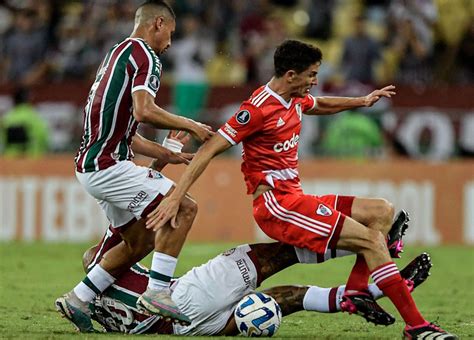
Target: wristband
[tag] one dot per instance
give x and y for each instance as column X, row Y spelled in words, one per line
column 172, row 144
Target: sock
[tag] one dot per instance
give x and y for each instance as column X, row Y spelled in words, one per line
column 162, row 270
column 388, row 279
column 375, row 291
column 307, row 256
column 359, row 277
column 96, row 281
column 323, row 300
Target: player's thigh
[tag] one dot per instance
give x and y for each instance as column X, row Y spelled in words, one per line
column 356, row 237
column 370, row 210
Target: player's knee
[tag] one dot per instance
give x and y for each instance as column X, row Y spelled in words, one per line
column 385, row 213
column 188, row 209
column 375, row 242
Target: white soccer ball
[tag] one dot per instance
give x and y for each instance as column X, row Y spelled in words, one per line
column 257, row 315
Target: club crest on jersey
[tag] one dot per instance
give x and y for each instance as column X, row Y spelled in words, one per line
column 299, row 111
column 323, row 210
column 154, row 82
column 242, row 117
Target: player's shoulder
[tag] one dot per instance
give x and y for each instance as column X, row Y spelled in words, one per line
column 141, row 47
column 259, row 97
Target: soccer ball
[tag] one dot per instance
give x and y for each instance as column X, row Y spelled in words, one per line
column 257, row 315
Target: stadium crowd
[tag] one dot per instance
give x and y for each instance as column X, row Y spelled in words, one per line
column 231, row 43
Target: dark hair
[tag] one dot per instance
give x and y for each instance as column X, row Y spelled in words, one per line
column 295, row 55
column 160, row 3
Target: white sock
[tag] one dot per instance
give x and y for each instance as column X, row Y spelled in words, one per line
column 323, row 300
column 162, row 270
column 96, row 281
column 375, row 291
column 307, row 256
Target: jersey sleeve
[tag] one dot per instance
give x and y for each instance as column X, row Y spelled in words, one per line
column 147, row 68
column 248, row 120
column 308, row 103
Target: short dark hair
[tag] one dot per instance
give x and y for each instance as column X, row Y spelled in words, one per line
column 160, row 3
column 295, row 55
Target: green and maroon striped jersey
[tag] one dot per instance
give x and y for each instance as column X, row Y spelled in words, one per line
column 109, row 124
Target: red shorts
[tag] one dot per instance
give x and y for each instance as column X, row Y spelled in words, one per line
column 304, row 221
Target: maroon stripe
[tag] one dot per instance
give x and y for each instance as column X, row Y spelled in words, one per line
column 152, row 205
column 141, row 58
column 253, row 257
column 319, row 258
column 332, row 300
column 335, row 236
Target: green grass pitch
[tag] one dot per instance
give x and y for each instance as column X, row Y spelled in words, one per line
column 33, row 275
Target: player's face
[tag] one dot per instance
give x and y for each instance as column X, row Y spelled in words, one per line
column 165, row 27
column 302, row 82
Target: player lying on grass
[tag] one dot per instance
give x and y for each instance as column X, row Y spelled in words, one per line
column 209, row 293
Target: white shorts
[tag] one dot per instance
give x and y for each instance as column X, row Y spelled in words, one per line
column 125, row 190
column 209, row 293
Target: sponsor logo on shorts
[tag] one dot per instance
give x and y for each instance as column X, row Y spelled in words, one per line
column 244, row 271
column 242, row 117
column 139, row 198
column 323, row 210
column 153, row 174
column 229, row 252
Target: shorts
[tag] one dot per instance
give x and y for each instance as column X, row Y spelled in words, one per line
column 208, row 294
column 125, row 191
column 304, row 221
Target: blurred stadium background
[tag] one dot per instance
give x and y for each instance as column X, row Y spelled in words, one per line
column 415, row 150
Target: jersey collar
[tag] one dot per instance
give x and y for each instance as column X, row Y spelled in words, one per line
column 277, row 96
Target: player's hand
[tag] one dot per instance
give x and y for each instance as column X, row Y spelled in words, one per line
column 180, row 136
column 201, row 132
column 167, row 210
column 372, row 98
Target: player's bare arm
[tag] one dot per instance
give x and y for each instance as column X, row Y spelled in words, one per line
column 146, row 111
column 169, row 206
column 331, row 105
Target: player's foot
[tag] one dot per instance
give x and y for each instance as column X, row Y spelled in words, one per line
column 395, row 235
column 364, row 305
column 76, row 311
column 417, row 271
column 159, row 302
column 428, row 330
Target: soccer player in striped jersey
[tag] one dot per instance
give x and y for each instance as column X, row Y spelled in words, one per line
column 210, row 292
column 268, row 124
column 121, row 97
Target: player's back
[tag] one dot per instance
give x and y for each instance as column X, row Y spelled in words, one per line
column 109, row 124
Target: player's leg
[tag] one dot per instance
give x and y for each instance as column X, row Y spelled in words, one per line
column 372, row 245
column 378, row 214
column 167, row 243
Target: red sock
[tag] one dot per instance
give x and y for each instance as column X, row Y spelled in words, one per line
column 388, row 279
column 359, row 277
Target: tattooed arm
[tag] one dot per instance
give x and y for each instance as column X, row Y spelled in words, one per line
column 290, row 298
